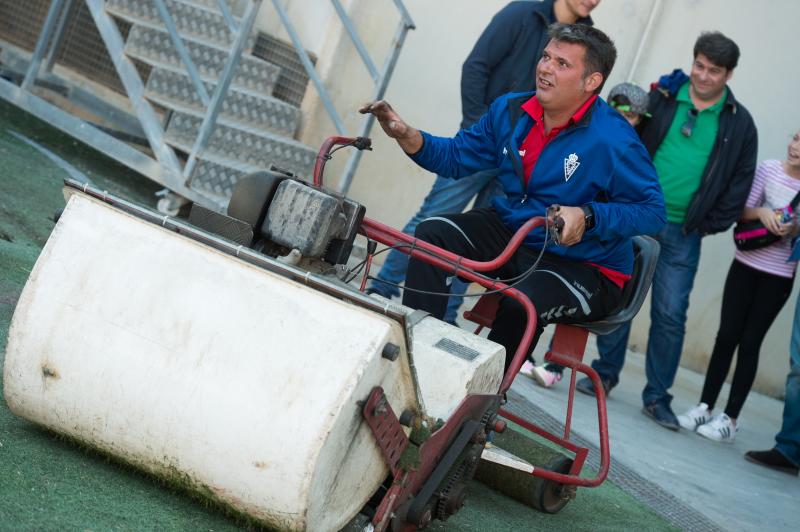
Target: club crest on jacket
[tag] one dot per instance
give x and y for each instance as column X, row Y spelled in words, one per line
column 571, row 164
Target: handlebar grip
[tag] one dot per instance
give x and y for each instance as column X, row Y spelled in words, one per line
column 363, row 143
column 555, row 229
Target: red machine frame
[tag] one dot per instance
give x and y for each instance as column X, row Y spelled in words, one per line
column 569, row 341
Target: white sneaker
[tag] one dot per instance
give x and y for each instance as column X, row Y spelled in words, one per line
column 527, row 369
column 695, row 416
column 542, row 376
column 720, row 428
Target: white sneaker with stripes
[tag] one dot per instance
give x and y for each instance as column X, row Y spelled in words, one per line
column 720, row 428
column 695, row 416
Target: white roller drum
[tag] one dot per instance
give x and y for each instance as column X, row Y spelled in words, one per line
column 192, row 364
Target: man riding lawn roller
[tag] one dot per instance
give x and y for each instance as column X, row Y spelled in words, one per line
column 559, row 145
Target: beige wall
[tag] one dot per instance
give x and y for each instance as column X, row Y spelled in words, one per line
column 765, row 47
column 425, row 90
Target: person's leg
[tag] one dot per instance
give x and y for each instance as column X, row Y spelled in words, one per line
column 447, row 196
column 787, row 441
column 478, row 234
column 785, row 456
column 672, row 282
column 490, row 188
column 737, row 297
column 612, row 347
column 771, row 294
column 562, row 291
column 457, row 288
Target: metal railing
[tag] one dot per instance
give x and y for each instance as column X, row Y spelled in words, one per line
column 242, row 32
column 172, row 173
column 183, row 53
column 381, row 78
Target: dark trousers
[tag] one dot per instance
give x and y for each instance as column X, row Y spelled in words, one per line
column 750, row 303
column 562, row 291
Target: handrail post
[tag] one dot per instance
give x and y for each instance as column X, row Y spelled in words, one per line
column 41, row 43
column 134, row 87
column 182, row 51
column 409, row 22
column 380, row 89
column 310, row 70
column 58, row 36
column 210, row 119
column 351, row 31
column 226, row 14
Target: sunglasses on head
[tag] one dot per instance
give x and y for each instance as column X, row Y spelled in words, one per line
column 688, row 126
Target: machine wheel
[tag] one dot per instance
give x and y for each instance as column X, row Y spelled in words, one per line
column 360, row 523
column 550, row 497
column 170, row 203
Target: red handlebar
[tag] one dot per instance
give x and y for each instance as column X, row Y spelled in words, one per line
column 361, row 143
column 466, row 268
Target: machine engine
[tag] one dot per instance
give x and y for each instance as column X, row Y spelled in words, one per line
column 280, row 215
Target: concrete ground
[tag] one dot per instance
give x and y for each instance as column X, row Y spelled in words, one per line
column 712, row 478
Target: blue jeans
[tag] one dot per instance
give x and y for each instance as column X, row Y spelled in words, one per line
column 672, row 283
column 447, row 196
column 788, row 439
column 612, row 348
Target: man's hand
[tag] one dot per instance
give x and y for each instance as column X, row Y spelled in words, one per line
column 409, row 138
column 574, row 224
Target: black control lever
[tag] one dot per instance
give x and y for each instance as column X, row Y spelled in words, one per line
column 363, row 143
column 555, row 223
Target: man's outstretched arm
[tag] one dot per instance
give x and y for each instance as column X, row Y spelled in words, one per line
column 409, row 138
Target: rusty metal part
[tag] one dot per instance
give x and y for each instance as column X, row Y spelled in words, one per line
column 447, row 448
column 386, row 428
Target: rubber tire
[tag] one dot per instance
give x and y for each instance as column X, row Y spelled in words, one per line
column 168, row 207
column 547, row 493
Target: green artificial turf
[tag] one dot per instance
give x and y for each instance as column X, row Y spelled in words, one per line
column 47, row 482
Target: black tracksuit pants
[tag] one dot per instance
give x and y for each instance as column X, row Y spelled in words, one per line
column 751, row 301
column 562, row 291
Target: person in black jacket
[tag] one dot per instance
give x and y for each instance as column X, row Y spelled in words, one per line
column 503, row 60
column 704, row 144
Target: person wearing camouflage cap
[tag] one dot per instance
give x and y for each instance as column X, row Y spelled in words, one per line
column 631, row 101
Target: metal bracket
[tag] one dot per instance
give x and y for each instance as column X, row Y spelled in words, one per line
column 386, row 428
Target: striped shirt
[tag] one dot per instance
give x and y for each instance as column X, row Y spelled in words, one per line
column 773, row 189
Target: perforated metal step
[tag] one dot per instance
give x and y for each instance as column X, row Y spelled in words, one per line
column 215, row 179
column 240, row 108
column 191, row 19
column 154, row 47
column 212, row 5
column 241, row 147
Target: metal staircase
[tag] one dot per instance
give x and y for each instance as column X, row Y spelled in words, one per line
column 204, row 103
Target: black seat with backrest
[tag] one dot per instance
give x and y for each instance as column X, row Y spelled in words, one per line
column 645, row 250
